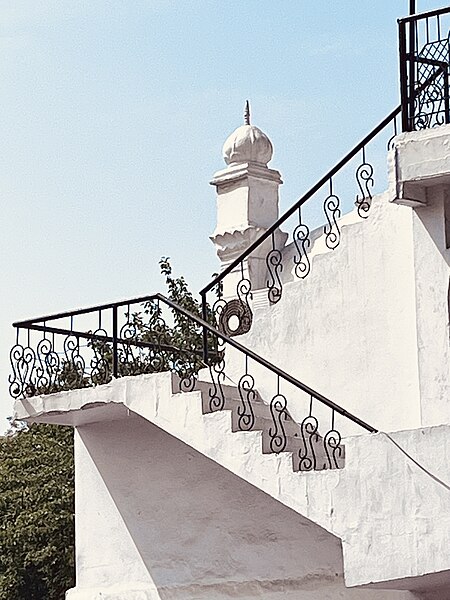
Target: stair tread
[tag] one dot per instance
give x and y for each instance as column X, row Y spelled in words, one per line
column 312, row 458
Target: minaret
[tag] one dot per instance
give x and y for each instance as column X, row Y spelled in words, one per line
column 247, row 202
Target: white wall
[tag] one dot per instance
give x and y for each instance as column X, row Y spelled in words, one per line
column 432, row 269
column 369, row 326
column 151, row 509
column 349, row 329
column 155, row 511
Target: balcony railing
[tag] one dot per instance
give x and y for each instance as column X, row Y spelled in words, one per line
column 424, row 69
column 89, row 347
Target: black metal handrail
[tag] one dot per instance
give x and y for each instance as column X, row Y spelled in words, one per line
column 172, row 342
column 83, row 311
column 424, row 69
column 268, row 365
column 425, row 15
column 124, row 334
column 364, row 176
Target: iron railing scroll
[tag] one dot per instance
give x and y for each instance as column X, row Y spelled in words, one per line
column 424, row 45
column 326, row 196
column 87, row 347
column 90, row 347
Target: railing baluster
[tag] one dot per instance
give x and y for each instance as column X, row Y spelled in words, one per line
column 278, row 410
column 302, row 243
column 217, row 372
column 365, row 180
column 246, row 388
column 403, row 76
column 115, row 369
column 331, row 207
column 307, row 454
column 274, row 267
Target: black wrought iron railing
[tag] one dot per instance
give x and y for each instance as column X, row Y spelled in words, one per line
column 424, row 69
column 324, row 195
column 151, row 334
column 87, row 347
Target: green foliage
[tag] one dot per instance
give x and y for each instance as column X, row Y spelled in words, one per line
column 36, row 513
column 180, row 343
column 177, row 289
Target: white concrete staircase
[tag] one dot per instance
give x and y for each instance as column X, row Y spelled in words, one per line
column 370, row 505
column 298, row 442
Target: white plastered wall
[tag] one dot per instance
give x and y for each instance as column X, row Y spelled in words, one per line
column 432, row 279
column 349, row 329
column 158, row 520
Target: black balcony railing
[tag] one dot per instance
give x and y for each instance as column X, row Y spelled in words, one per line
column 89, row 347
column 424, row 69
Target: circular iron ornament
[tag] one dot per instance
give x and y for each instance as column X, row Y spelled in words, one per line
column 240, row 310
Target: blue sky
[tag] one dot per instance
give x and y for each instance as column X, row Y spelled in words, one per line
column 113, row 115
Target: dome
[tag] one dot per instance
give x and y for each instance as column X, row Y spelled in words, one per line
column 247, row 144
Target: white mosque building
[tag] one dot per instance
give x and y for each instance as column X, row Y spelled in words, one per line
column 300, row 450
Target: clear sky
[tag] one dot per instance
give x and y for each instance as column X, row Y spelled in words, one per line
column 112, row 118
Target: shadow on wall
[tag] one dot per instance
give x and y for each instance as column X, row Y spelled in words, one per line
column 435, row 220
column 197, row 525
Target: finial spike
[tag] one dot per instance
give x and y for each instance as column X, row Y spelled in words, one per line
column 247, row 113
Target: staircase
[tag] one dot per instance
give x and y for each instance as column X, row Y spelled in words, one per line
column 344, row 502
column 308, row 450
column 360, row 498
column 304, row 446
column 165, row 444
column 268, row 430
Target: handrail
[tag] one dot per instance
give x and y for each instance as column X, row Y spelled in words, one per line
column 265, row 363
column 439, row 113
column 36, row 370
column 83, row 311
column 315, row 188
column 424, row 15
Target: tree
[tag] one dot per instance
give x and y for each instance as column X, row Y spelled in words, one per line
column 37, row 470
column 37, row 513
column 178, row 345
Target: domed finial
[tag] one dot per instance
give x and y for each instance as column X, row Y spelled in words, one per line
column 247, row 113
column 247, row 144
